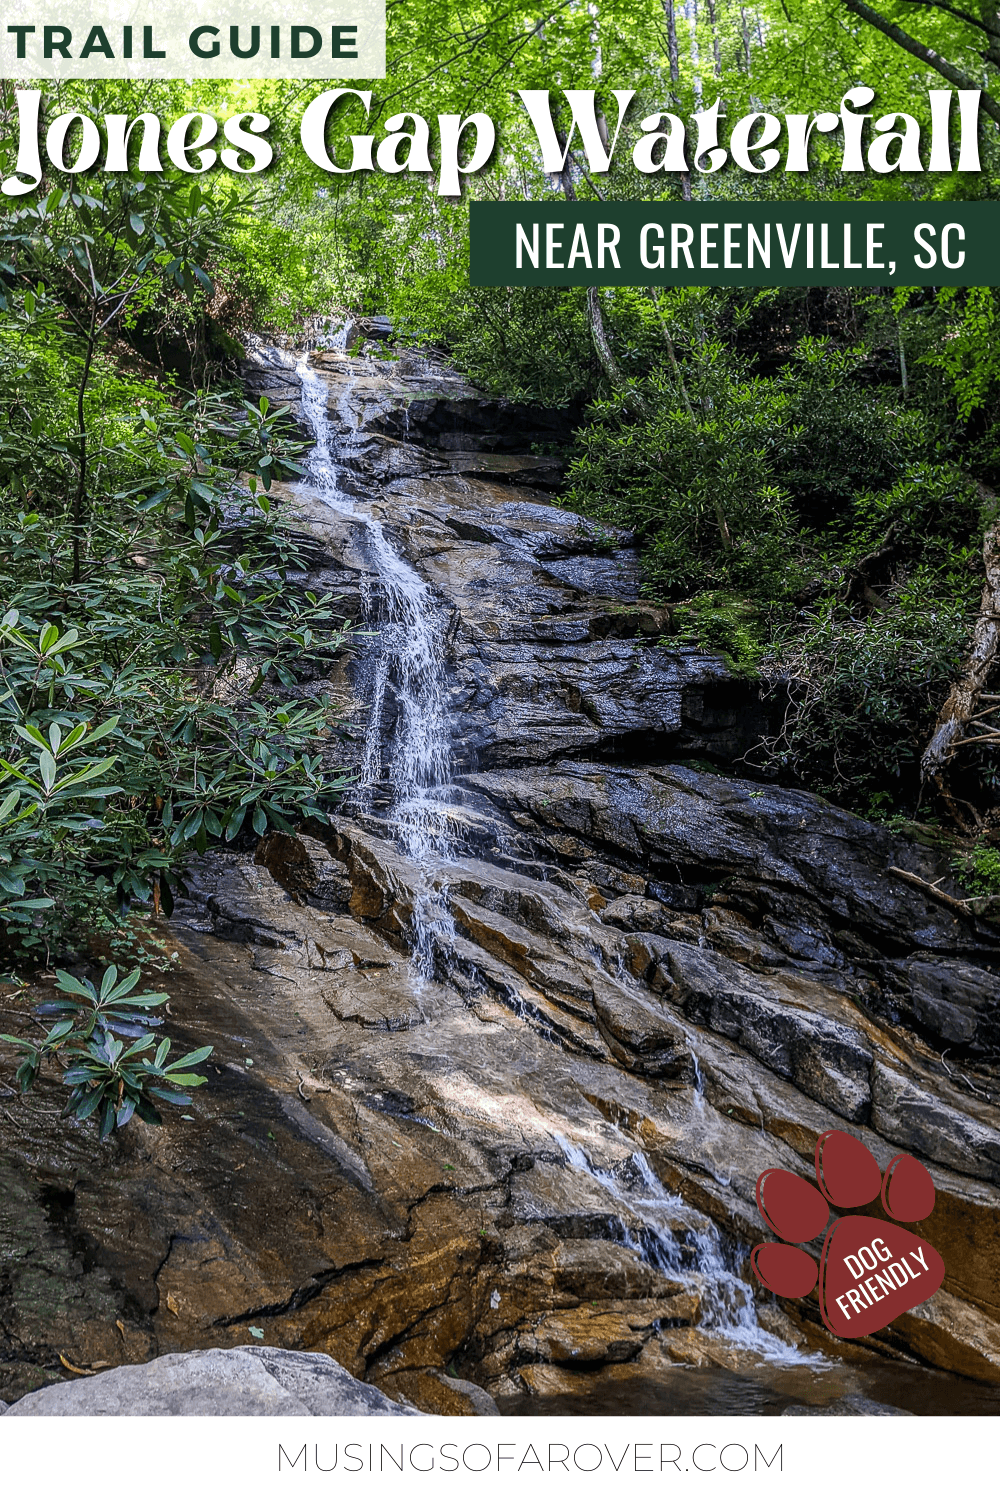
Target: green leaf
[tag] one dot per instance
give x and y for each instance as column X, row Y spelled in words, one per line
column 172, row 1096
column 106, row 728
column 192, row 1059
column 32, row 734
column 90, row 1104
column 59, row 642
column 120, row 987
column 73, row 986
column 107, row 1119
column 47, row 770
column 18, row 1041
column 235, row 822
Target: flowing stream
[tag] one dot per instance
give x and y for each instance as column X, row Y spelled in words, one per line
column 698, row 1259
column 408, row 660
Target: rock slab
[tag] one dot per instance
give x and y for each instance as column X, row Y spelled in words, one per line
column 216, row 1383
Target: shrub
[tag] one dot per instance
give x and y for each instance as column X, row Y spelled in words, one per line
column 109, row 1082
column 863, row 693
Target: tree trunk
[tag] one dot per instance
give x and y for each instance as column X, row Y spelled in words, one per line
column 602, row 344
column 716, row 47
column 674, row 362
column 674, row 59
column 691, row 11
column 960, row 706
column 673, row 54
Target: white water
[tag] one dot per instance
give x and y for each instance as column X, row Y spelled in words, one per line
column 409, row 659
column 726, row 1301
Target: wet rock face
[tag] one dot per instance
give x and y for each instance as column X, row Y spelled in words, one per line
column 954, row 1001
column 550, row 655
column 533, row 1168
column 549, row 651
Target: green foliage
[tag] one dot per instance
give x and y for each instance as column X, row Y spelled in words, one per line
column 863, row 692
column 685, row 456
column 526, row 343
column 186, row 766
column 979, row 869
column 180, row 648
column 969, row 354
column 852, row 435
column 108, row 1080
column 931, row 516
column 728, row 623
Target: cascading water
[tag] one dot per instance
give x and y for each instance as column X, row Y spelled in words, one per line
column 410, row 658
column 726, row 1301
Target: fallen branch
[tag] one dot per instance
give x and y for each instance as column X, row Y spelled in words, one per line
column 962, row 701
column 315, row 1085
column 932, row 890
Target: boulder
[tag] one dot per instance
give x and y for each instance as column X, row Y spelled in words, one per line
column 600, row 1269
column 216, row 1383
column 443, row 1395
column 951, row 1001
column 640, row 1035
column 774, row 1020
column 303, row 866
column 957, row 1131
column 818, row 873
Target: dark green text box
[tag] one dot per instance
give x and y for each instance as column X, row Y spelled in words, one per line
column 734, row 244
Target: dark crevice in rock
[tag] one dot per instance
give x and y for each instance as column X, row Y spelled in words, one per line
column 301, row 1296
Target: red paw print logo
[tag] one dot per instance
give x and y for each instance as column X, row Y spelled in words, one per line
column 869, row 1271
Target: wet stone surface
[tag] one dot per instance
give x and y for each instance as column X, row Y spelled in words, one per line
column 502, row 1050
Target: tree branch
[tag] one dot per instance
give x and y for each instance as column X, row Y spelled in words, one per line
column 963, row 15
column 927, row 55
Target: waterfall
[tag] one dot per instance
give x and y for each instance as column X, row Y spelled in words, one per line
column 700, row 1260
column 407, row 661
column 408, row 656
